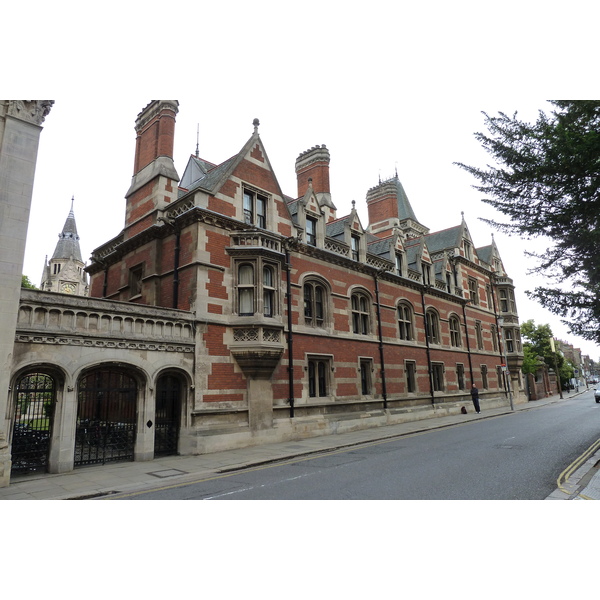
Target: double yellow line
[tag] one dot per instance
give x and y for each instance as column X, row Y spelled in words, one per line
column 563, row 478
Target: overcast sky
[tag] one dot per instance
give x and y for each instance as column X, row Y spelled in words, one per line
column 385, row 86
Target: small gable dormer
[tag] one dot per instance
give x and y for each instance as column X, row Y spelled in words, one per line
column 310, row 217
column 350, row 231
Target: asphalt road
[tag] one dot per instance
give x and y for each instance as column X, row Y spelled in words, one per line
column 514, row 456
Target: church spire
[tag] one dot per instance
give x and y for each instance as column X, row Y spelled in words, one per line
column 68, row 240
column 65, row 271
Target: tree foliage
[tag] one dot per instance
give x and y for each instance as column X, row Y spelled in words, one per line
column 26, row 283
column 546, row 181
column 536, row 343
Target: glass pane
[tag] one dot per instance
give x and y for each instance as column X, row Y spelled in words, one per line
column 319, row 303
column 268, row 276
column 246, row 296
column 268, row 303
column 246, row 275
column 307, row 301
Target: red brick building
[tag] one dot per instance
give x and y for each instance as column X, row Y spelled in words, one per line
column 227, row 313
column 301, row 312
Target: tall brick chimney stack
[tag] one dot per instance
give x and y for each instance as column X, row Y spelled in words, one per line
column 154, row 182
column 155, row 128
column 313, row 164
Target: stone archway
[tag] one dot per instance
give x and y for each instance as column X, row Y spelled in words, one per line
column 106, row 416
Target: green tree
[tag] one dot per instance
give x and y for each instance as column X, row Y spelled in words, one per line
column 546, row 181
column 536, row 342
column 26, row 283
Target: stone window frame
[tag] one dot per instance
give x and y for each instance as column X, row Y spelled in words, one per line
column 315, row 283
column 474, row 291
column 460, row 376
column 366, row 369
column 319, row 375
column 311, row 232
column 252, row 200
column 455, row 327
column 360, row 312
column 406, row 324
column 484, row 377
column 479, row 335
column 437, row 376
column 136, row 275
column 410, row 374
column 258, row 287
column 432, row 326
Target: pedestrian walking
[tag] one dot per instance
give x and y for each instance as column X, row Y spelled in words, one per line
column 475, row 398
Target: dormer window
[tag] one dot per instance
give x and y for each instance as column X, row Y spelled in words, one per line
column 468, row 250
column 355, row 247
column 255, row 209
column 311, row 231
column 426, row 273
column 474, row 291
column 398, row 263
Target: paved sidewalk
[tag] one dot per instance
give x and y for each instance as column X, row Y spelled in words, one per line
column 105, row 481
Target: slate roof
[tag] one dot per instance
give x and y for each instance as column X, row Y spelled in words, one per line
column 485, row 254
column 336, row 228
column 447, row 238
column 68, row 240
column 379, row 247
column 405, row 210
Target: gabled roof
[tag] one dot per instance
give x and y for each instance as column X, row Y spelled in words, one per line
column 195, row 170
column 216, row 176
column 337, row 228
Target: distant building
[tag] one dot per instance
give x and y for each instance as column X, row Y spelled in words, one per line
column 227, row 313
column 64, row 272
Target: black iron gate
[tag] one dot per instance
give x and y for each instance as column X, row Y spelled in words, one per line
column 34, row 413
column 166, row 426
column 106, row 417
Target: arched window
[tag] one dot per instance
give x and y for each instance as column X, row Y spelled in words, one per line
column 314, row 304
column 432, row 325
column 455, row 332
column 405, row 322
column 268, row 292
column 246, row 290
column 360, row 314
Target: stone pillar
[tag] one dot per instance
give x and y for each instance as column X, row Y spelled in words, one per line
column 144, row 440
column 20, row 127
column 260, row 404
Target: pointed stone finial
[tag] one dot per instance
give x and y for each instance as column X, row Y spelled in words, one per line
column 256, row 123
column 198, row 140
column 72, row 201
column 462, row 214
column 353, row 204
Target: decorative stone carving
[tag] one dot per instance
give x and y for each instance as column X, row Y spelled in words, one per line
column 34, row 111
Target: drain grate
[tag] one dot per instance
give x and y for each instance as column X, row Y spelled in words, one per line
column 167, row 473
